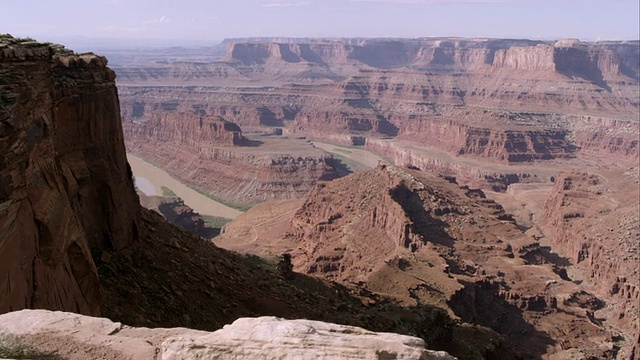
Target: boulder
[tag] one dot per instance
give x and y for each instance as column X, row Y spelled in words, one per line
column 275, row 338
column 73, row 336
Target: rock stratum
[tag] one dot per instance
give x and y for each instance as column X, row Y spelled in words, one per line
column 73, row 336
column 65, row 186
column 490, row 100
column 177, row 213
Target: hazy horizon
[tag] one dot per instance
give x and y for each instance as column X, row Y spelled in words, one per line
column 109, row 23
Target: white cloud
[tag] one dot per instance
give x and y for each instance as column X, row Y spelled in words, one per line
column 160, row 20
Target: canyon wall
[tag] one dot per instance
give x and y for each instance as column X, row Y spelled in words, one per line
column 196, row 144
column 242, row 177
column 493, row 100
column 593, row 221
column 66, row 193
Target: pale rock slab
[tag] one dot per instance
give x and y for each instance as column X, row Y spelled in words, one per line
column 75, row 337
column 269, row 338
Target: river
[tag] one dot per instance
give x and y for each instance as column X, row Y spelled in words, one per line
column 150, row 179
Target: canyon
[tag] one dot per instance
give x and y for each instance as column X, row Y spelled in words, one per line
column 461, row 103
column 491, row 208
column 547, row 130
column 74, row 237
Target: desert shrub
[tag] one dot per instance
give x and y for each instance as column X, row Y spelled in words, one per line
column 26, row 39
column 167, row 192
column 64, row 82
column 285, row 267
column 6, row 100
column 12, row 347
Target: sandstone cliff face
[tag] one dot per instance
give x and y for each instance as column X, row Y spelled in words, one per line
column 497, row 179
column 583, row 59
column 595, row 224
column 65, row 187
column 190, row 130
column 385, row 223
column 606, row 137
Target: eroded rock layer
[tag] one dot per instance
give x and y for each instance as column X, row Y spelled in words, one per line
column 502, row 101
column 177, row 213
column 426, row 240
column 65, row 187
column 211, row 153
column 595, row 223
column 243, row 176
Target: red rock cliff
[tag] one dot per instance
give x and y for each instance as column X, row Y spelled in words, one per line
column 594, row 223
column 65, row 187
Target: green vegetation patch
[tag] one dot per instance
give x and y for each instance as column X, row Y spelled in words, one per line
column 343, row 150
column 345, row 166
column 13, row 347
column 215, row 221
column 167, row 192
column 243, row 208
column 8, row 38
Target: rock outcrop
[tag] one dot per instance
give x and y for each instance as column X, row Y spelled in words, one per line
column 426, row 240
column 65, row 187
column 190, row 130
column 75, row 336
column 177, row 213
column 274, row 338
column 594, row 222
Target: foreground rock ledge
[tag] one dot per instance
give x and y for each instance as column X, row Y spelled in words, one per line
column 73, row 336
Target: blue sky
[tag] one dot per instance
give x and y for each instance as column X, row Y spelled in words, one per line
column 213, row 20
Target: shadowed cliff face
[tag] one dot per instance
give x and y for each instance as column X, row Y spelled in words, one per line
column 65, row 187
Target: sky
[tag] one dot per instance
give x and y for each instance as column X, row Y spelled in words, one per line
column 210, row 21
